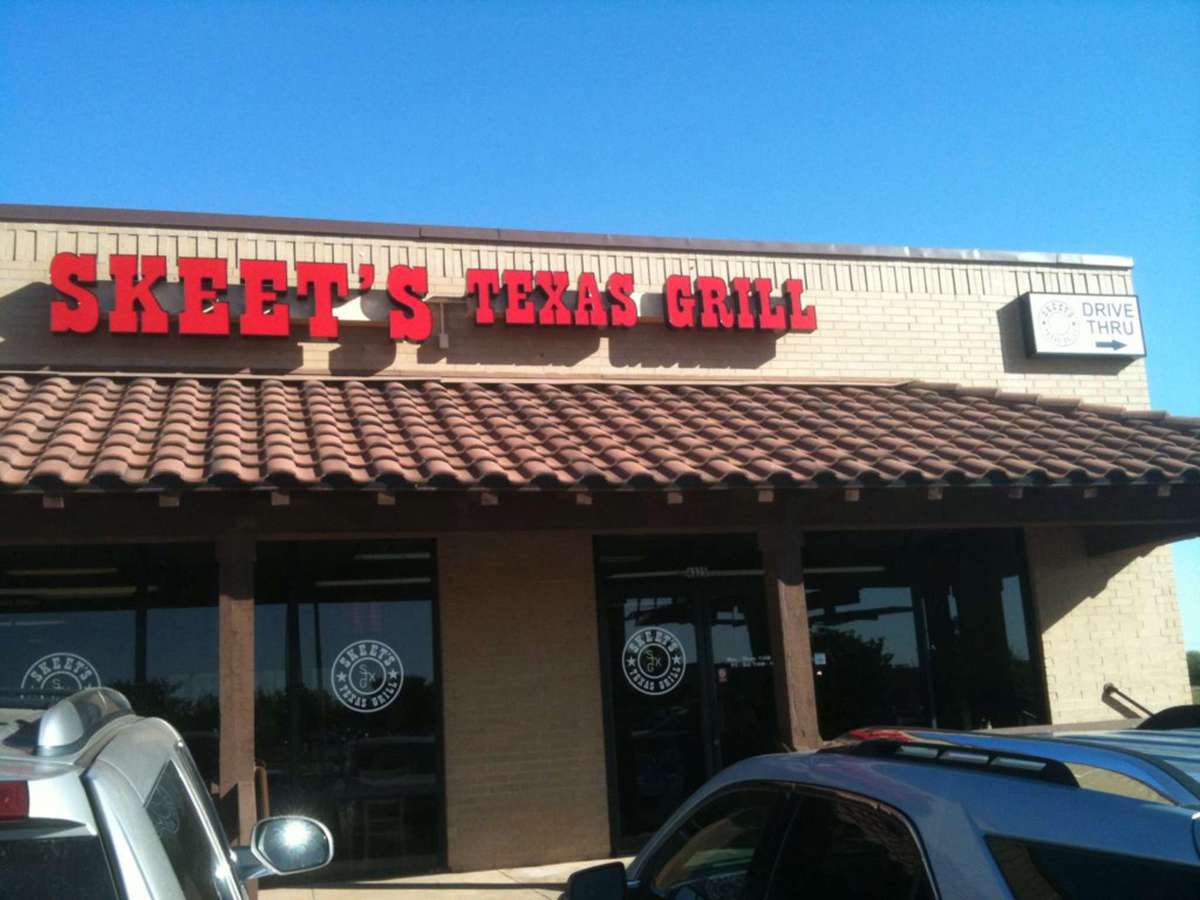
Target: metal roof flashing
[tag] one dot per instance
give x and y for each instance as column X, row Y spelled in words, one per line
column 144, row 218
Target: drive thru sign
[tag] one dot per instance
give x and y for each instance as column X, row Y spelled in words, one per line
column 1082, row 325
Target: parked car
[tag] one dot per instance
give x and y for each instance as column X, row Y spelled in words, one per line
column 919, row 814
column 97, row 803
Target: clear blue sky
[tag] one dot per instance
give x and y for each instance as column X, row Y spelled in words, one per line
column 1040, row 125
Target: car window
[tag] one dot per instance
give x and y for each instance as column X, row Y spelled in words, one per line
column 53, row 868
column 837, row 849
column 724, row 850
column 1037, row 871
column 1094, row 778
column 197, row 862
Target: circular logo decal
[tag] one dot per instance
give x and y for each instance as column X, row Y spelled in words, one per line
column 1060, row 323
column 367, row 676
column 60, row 672
column 654, row 661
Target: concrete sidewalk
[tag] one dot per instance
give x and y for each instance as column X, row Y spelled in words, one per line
column 533, row 883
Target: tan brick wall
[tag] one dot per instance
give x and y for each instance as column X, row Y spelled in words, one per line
column 1113, row 619
column 525, row 767
column 878, row 319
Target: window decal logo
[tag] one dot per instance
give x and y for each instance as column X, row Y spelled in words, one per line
column 62, row 673
column 367, row 676
column 654, row 661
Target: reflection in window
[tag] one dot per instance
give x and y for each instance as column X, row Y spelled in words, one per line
column 346, row 703
column 716, row 854
column 920, row 628
column 141, row 619
column 841, row 848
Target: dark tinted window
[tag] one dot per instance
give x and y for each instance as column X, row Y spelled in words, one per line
column 179, row 827
column 838, row 849
column 724, row 851
column 141, row 619
column 1047, row 872
column 920, row 628
column 53, row 868
column 347, row 696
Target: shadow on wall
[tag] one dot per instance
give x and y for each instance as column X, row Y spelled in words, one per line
column 648, row 345
column 1068, row 576
column 1012, row 351
column 511, row 345
column 26, row 342
column 362, row 350
column 653, row 345
column 1065, row 578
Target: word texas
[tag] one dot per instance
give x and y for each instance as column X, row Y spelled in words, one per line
column 264, row 304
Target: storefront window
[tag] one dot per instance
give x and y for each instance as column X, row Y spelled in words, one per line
column 347, row 701
column 920, row 628
column 140, row 618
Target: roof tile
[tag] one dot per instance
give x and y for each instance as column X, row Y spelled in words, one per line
column 58, row 432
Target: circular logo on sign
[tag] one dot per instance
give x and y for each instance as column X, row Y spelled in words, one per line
column 63, row 673
column 367, row 676
column 654, row 661
column 1059, row 322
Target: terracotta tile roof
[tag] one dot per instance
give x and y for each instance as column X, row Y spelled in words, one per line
column 69, row 432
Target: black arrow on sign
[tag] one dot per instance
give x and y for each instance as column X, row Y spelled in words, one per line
column 1111, row 345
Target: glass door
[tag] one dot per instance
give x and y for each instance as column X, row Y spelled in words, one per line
column 688, row 675
column 657, row 694
column 347, row 704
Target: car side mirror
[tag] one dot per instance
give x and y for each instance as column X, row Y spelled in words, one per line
column 603, row 882
column 284, row 845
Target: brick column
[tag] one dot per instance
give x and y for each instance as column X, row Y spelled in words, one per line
column 791, row 650
column 235, row 562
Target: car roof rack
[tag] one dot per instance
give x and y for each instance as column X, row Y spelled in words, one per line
column 994, row 762
column 69, row 724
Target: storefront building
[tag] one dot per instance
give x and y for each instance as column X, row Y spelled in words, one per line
column 488, row 547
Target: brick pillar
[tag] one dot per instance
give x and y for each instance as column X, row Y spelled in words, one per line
column 791, row 650
column 524, row 726
column 235, row 561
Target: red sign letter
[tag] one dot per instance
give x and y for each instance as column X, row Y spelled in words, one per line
column 518, row 284
column 620, row 294
column 265, row 315
column 681, row 305
column 413, row 321
column 741, row 290
column 714, row 313
column 588, row 308
column 772, row 318
column 130, row 296
column 553, row 311
column 203, row 281
column 321, row 280
column 79, row 310
column 802, row 318
column 483, row 284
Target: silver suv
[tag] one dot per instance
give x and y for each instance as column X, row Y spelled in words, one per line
column 98, row 803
